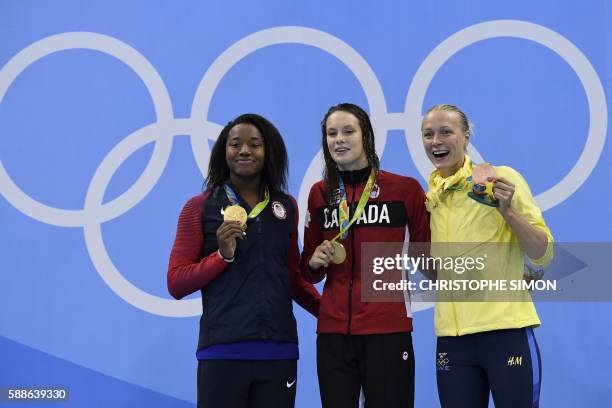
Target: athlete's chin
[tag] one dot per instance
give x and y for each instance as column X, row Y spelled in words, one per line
column 246, row 174
column 345, row 163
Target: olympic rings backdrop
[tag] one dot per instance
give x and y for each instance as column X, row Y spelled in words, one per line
column 108, row 111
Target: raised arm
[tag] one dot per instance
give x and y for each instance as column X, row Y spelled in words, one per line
column 187, row 270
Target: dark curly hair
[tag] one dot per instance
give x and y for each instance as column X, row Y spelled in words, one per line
column 330, row 172
column 274, row 172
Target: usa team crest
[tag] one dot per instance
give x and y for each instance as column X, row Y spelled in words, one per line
column 279, row 210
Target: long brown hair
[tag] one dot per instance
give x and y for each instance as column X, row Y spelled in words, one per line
column 330, row 172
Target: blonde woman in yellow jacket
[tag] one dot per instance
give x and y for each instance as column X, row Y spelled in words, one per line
column 485, row 346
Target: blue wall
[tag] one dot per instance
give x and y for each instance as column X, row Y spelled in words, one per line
column 108, row 109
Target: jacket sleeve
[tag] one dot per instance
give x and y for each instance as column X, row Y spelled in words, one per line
column 187, row 271
column 525, row 204
column 304, row 293
column 312, row 238
column 418, row 224
column 418, row 217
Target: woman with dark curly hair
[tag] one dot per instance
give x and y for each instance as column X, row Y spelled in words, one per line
column 237, row 244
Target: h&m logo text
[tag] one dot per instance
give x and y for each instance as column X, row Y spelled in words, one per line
column 515, row 361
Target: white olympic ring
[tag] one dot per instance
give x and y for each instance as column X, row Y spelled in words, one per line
column 593, row 88
column 163, row 111
column 162, row 132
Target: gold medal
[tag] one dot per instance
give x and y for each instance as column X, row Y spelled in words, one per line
column 235, row 213
column 339, row 253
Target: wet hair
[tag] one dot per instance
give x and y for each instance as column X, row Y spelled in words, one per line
column 274, row 171
column 330, row 172
column 468, row 127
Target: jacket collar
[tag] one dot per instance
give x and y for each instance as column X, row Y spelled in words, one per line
column 355, row 176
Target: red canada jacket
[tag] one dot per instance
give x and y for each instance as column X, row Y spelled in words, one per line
column 396, row 207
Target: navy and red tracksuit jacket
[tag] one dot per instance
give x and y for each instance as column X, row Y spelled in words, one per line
column 400, row 209
column 251, row 297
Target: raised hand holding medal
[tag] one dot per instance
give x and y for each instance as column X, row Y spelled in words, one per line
column 234, row 212
column 339, row 254
column 235, row 221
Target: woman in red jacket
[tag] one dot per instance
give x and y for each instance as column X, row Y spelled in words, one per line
column 247, row 269
column 360, row 344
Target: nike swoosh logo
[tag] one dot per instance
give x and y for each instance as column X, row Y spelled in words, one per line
column 290, row 384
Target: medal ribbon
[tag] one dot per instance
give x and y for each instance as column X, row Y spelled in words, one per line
column 259, row 207
column 343, row 211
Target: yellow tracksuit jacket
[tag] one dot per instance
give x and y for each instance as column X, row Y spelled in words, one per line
column 457, row 218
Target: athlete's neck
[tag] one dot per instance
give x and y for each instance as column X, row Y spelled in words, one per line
column 355, row 176
column 249, row 188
